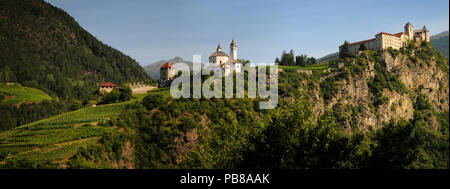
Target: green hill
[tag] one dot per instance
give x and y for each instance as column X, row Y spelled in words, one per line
column 55, row 139
column 44, row 47
column 16, row 93
column 440, row 42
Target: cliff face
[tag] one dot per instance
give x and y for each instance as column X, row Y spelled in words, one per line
column 418, row 70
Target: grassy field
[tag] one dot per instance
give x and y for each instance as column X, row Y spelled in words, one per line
column 321, row 66
column 59, row 137
column 17, row 93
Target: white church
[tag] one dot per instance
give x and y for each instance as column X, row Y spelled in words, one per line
column 228, row 64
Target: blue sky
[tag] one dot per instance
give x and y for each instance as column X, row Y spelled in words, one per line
column 150, row 30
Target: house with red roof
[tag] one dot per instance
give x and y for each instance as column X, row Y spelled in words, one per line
column 385, row 40
column 107, row 87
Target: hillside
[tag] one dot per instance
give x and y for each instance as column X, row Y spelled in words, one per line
column 17, row 94
column 43, row 47
column 440, row 42
column 53, row 141
column 153, row 69
column 384, row 110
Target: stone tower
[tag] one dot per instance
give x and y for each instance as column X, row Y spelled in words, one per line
column 233, row 50
column 409, row 31
column 427, row 33
column 166, row 74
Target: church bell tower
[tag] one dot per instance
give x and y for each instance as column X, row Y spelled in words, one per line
column 233, row 50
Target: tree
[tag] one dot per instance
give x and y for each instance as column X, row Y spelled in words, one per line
column 396, row 146
column 152, row 101
column 277, row 60
column 293, row 139
column 111, row 97
column 75, row 105
column 300, row 60
column 311, row 61
column 125, row 93
column 345, row 51
column 287, row 59
column 362, row 47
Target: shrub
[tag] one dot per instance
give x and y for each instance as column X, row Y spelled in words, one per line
column 152, row 101
column 328, row 88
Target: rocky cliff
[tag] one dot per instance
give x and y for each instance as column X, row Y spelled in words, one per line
column 375, row 87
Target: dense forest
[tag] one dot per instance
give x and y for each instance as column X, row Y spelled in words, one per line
column 43, row 47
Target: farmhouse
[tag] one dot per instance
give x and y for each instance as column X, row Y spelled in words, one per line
column 107, row 87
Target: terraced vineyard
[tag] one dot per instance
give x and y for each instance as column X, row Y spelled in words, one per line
column 59, row 137
column 16, row 93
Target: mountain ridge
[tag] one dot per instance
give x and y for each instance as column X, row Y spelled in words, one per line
column 153, row 69
column 44, row 47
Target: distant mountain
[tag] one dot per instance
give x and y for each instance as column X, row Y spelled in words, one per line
column 153, row 69
column 328, row 57
column 440, row 42
column 41, row 46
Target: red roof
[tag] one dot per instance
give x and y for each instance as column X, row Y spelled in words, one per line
column 166, row 65
column 108, row 84
column 396, row 35
column 361, row 42
column 399, row 34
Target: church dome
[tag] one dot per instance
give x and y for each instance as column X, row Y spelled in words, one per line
column 218, row 53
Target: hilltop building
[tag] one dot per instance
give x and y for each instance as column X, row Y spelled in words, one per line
column 166, row 75
column 228, row 64
column 107, row 87
column 385, row 40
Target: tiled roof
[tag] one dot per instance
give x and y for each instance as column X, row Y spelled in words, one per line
column 108, row 84
column 396, row 35
column 361, row 41
column 218, row 53
column 166, row 65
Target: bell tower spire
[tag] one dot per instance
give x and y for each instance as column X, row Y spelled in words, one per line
column 233, row 50
column 218, row 47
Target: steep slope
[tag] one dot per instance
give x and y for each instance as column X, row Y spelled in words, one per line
column 16, row 94
column 43, row 47
column 440, row 42
column 374, row 88
column 153, row 69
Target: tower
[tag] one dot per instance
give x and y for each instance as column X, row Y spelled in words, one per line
column 409, row 30
column 218, row 47
column 233, row 50
column 427, row 33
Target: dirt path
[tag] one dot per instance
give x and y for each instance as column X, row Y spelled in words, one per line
column 142, row 90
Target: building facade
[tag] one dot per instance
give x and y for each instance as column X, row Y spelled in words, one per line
column 107, row 87
column 166, row 75
column 385, row 40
